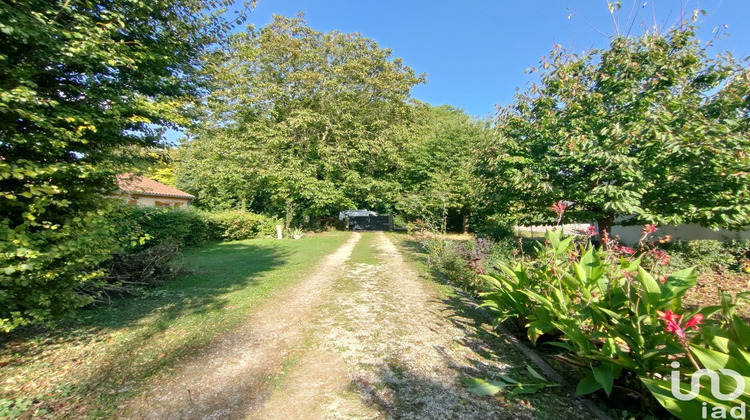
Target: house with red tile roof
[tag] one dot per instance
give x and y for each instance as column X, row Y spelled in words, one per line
column 146, row 192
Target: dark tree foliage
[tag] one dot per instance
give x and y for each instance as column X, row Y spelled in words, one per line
column 84, row 87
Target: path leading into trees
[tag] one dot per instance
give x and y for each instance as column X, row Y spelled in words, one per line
column 359, row 338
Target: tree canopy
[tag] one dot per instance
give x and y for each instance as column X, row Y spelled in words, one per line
column 651, row 127
column 84, row 86
column 439, row 182
column 301, row 124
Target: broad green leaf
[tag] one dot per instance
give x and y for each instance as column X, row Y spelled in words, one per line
column 742, row 330
column 481, row 387
column 588, row 385
column 651, row 290
column 535, row 374
column 709, row 359
column 592, row 265
column 605, row 374
column 679, row 283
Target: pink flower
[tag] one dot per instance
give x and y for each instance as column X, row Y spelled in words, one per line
column 669, row 316
column 694, row 321
column 661, row 256
column 624, row 250
column 591, row 231
column 672, row 321
column 559, row 209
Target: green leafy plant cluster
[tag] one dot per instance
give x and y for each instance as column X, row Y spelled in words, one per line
column 620, row 321
column 463, row 261
column 188, row 228
column 42, row 265
column 87, row 86
column 235, row 225
column 706, row 255
column 450, row 258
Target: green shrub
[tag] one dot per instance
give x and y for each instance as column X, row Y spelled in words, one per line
column 495, row 230
column 236, row 224
column 705, row 255
column 620, row 320
column 43, row 265
column 741, row 251
column 185, row 227
column 463, row 261
column 49, row 271
column 450, row 259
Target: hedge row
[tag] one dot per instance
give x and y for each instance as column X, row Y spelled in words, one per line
column 187, row 227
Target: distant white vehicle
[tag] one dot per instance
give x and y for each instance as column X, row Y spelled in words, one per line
column 356, row 213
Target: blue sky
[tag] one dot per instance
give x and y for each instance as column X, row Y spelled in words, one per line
column 475, row 52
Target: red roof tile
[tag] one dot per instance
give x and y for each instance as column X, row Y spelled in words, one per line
column 134, row 184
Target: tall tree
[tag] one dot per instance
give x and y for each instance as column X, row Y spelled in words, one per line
column 650, row 127
column 438, row 179
column 301, row 124
column 84, row 84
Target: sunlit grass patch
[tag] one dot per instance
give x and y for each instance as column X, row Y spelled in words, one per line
column 108, row 353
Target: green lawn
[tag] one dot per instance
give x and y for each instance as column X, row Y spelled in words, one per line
column 87, row 365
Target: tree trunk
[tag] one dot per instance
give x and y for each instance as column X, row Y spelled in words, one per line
column 445, row 219
column 466, row 214
column 290, row 207
column 605, row 224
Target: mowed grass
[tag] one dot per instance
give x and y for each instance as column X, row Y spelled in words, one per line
column 365, row 251
column 87, row 366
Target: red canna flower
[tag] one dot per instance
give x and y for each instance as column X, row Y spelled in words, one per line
column 559, row 209
column 694, row 321
column 661, row 256
column 625, row 250
column 590, row 232
column 673, row 326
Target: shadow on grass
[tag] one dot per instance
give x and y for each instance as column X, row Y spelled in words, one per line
column 215, row 271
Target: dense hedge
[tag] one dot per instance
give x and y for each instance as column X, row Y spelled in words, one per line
column 183, row 227
column 187, row 227
column 235, row 224
column 115, row 251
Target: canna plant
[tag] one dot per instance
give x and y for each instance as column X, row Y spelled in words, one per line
column 614, row 317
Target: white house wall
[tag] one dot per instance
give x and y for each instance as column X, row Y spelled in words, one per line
column 148, row 201
column 630, row 235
